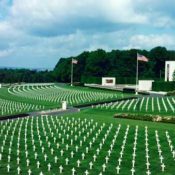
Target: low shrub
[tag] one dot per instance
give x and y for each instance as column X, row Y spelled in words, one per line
column 163, row 86
column 146, row 117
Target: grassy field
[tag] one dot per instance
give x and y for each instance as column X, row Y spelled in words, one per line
column 19, row 99
column 88, row 142
column 56, row 94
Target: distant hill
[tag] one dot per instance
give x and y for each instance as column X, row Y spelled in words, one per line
column 37, row 69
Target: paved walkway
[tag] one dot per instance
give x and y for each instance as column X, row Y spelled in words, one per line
column 55, row 112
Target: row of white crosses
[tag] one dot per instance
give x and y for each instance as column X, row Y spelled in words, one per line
column 10, row 107
column 10, row 143
column 83, row 154
column 55, row 94
column 98, row 150
column 170, row 144
column 134, row 151
column 147, row 102
column 122, row 150
column 164, row 105
column 148, row 172
column 170, row 104
column 109, row 152
column 72, row 154
column 77, row 147
column 95, row 156
column 161, row 103
column 160, row 151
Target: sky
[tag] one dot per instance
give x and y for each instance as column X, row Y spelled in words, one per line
column 37, row 33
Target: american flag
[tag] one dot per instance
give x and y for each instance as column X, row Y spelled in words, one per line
column 142, row 58
column 74, row 61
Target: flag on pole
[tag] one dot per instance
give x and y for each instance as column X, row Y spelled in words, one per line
column 142, row 58
column 74, row 61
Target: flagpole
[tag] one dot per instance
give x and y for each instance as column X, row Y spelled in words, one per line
column 72, row 72
column 137, row 74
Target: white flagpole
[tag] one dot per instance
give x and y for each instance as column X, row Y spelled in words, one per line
column 72, row 72
column 137, row 74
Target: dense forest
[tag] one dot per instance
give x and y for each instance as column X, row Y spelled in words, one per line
column 95, row 64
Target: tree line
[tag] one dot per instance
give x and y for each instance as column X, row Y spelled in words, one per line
column 117, row 63
column 96, row 64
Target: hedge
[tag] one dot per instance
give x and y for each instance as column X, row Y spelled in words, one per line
column 146, row 117
column 91, row 80
column 163, row 86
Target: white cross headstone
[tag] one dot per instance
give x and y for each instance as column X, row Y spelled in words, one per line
column 36, row 155
column 118, row 169
column 132, row 171
column 94, row 157
column 76, row 148
column 82, row 155
column 72, row 154
column 90, row 165
column 29, row 172
column 163, row 167
column 8, row 168
column 38, row 164
column 18, row 160
column 67, row 161
column 104, row 167
column 52, row 150
column 28, row 162
column 86, row 172
column 56, row 159
column 45, row 157
column 147, row 165
column 49, row 166
column 41, row 173
column 73, row 171
column 62, row 152
column 148, row 172
column 107, row 159
column 18, row 170
column 78, row 163
column 119, row 161
column 9, row 157
column 61, row 169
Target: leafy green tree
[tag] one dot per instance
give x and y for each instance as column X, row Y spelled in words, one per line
column 158, row 57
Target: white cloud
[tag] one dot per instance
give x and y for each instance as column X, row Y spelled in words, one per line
column 36, row 15
column 150, row 41
column 42, row 31
column 5, row 53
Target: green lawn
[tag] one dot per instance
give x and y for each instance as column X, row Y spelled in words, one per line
column 89, row 126
column 21, row 99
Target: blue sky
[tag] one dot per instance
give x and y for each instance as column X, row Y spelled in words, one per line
column 37, row 33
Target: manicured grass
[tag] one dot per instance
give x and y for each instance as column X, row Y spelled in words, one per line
column 56, row 94
column 90, row 126
column 27, row 98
